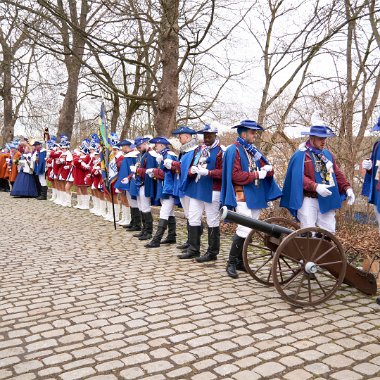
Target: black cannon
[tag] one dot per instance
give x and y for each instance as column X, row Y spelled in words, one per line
column 306, row 265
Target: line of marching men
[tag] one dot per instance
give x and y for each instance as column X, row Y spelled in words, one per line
column 203, row 177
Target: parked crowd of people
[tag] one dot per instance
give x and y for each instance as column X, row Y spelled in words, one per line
column 201, row 178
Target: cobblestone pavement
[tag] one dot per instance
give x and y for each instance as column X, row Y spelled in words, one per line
column 80, row 300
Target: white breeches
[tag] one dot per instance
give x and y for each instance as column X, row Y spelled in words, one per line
column 241, row 208
column 132, row 202
column 185, row 202
column 143, row 202
column 310, row 216
column 377, row 213
column 42, row 179
column 167, row 208
column 197, row 207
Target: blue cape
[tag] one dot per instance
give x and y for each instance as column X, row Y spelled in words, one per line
column 292, row 198
column 165, row 187
column 180, row 181
column 202, row 190
column 370, row 183
column 257, row 197
column 124, row 172
column 40, row 167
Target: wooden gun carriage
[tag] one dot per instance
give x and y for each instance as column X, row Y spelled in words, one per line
column 306, row 266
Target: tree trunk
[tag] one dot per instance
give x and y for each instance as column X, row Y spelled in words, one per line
column 167, row 96
column 9, row 120
column 67, row 113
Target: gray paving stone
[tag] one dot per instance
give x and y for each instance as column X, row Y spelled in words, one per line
column 82, row 308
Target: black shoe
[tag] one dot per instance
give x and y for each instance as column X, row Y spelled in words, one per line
column 206, row 257
column 188, row 255
column 235, row 256
column 240, row 266
column 194, row 243
column 142, row 229
column 145, row 237
column 43, row 195
column 183, row 246
column 162, row 225
column 172, row 235
column 231, row 270
column 135, row 224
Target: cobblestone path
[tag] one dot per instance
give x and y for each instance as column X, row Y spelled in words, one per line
column 80, row 300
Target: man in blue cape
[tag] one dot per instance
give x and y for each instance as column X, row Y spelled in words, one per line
column 314, row 185
column 165, row 188
column 371, row 185
column 247, row 186
column 145, row 186
column 203, row 186
column 180, row 169
column 39, row 160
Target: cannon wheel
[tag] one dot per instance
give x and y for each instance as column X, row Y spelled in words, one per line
column 318, row 266
column 257, row 256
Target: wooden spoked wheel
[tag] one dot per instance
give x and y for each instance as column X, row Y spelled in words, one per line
column 317, row 264
column 258, row 252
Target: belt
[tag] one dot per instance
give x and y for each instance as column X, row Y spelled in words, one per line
column 310, row 194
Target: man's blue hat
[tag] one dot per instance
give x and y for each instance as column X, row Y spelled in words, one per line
column 184, row 129
column 376, row 127
column 141, row 140
column 319, row 131
column 160, row 140
column 124, row 143
column 249, row 124
column 36, row 143
column 208, row 129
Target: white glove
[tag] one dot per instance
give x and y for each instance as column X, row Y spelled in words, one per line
column 194, row 170
column 62, row 160
column 267, row 168
column 133, row 168
column 125, row 180
column 262, row 174
column 149, row 172
column 66, row 167
column 117, row 191
column 323, row 190
column 203, row 171
column 83, row 164
column 350, row 196
column 7, row 160
column 159, row 158
column 367, row 164
column 168, row 163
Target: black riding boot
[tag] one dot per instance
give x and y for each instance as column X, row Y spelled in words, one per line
column 135, row 224
column 213, row 246
column 235, row 254
column 194, row 243
column 43, row 195
column 148, row 226
column 142, row 231
column 155, row 242
column 186, row 244
column 172, row 235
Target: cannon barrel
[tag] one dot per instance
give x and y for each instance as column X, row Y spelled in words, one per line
column 258, row 225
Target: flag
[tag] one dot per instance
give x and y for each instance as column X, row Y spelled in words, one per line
column 104, row 135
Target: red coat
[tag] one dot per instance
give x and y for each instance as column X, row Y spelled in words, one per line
column 56, row 163
column 65, row 160
column 79, row 171
column 96, row 175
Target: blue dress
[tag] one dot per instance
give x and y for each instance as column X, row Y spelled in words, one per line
column 24, row 186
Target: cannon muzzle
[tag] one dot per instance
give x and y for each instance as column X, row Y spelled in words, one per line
column 258, row 225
